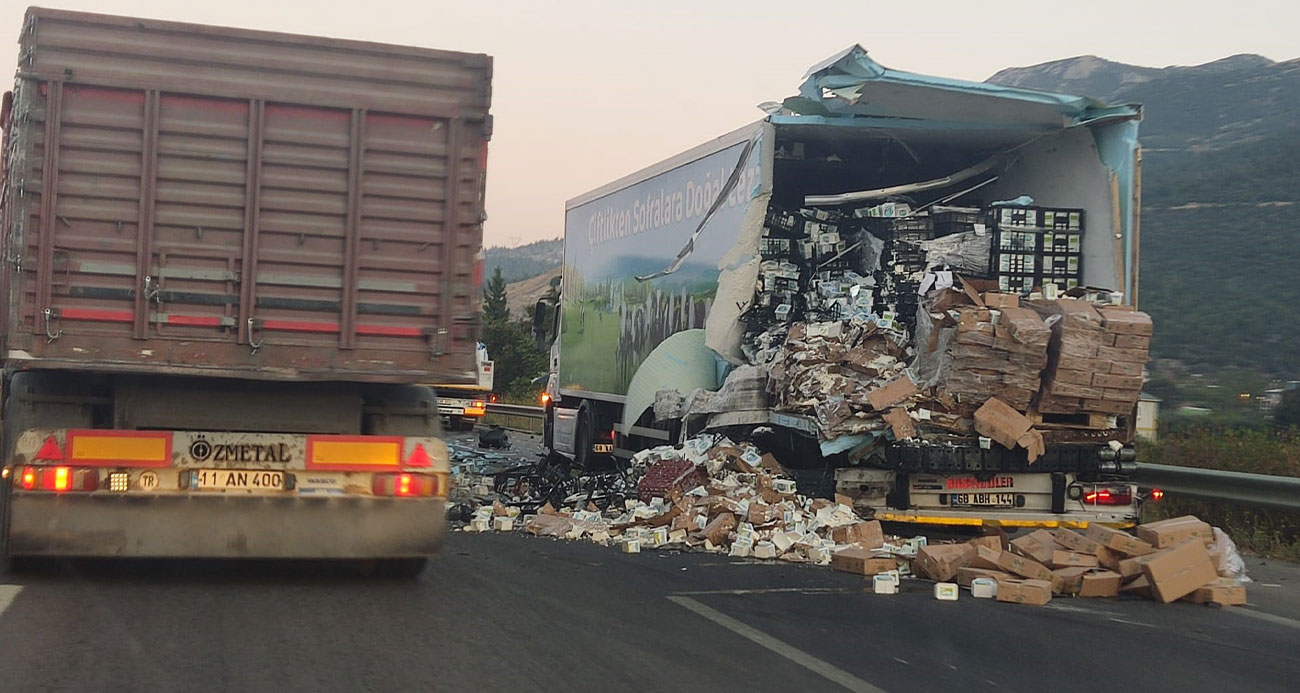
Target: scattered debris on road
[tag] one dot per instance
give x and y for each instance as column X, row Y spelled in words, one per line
column 717, row 495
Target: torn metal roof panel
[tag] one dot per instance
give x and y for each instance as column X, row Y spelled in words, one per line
column 850, row 83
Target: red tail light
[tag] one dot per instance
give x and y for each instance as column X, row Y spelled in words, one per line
column 1108, row 496
column 58, row 479
column 1157, row 494
column 404, row 485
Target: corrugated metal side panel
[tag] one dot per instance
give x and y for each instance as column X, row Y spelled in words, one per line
column 243, row 203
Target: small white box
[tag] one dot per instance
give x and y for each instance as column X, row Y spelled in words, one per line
column 503, row 524
column 659, row 536
column 946, row 591
column 884, row 583
column 764, row 549
column 479, row 524
column 783, row 486
column 984, row 588
column 740, row 549
column 630, row 545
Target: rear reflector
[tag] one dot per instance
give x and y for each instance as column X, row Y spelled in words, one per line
column 119, row 448
column 477, row 408
column 404, row 485
column 353, row 452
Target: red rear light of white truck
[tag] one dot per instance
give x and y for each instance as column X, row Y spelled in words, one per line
column 1108, row 496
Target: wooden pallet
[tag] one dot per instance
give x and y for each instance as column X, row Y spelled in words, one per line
column 1083, row 419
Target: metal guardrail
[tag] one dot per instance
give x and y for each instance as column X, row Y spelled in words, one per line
column 1281, row 492
column 516, row 417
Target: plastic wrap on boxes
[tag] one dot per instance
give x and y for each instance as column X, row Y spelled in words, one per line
column 967, row 253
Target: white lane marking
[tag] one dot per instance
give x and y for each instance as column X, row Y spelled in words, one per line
column 7, row 594
column 800, row 590
column 1263, row 616
column 794, row 654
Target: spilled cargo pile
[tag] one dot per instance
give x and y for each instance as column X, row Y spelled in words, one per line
column 716, row 495
column 898, row 323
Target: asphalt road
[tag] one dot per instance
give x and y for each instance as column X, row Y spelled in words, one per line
column 510, row 611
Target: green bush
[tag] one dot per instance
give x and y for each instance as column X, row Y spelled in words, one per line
column 1260, row 531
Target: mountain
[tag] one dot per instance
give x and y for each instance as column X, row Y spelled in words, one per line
column 1220, row 201
column 524, row 261
column 1236, row 99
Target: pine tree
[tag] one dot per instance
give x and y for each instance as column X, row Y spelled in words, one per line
column 495, row 311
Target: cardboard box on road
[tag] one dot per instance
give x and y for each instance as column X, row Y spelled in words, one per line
column 1076, row 542
column 866, row 534
column 940, row 562
column 1036, row 592
column 1100, row 583
column 1179, row 571
column 991, row 541
column 1166, row 533
column 861, row 561
column 1119, row 541
column 1068, row 580
column 1024, row 567
column 986, row 558
column 1223, row 592
column 966, row 573
column 1038, row 545
column 1071, row 559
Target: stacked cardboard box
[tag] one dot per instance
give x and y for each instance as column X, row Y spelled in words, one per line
column 1086, row 370
column 996, row 352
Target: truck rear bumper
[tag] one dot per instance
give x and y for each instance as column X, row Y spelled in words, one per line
column 212, row 526
column 1002, row 518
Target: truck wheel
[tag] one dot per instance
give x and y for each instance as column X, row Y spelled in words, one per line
column 582, row 440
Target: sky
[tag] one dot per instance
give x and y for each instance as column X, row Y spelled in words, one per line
column 585, row 92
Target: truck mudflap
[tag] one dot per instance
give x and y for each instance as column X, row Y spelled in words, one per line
column 221, row 526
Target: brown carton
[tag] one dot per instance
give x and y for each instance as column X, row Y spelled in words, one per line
column 1120, row 321
column 1118, row 382
column 866, row 534
column 718, row 528
column 1106, row 406
column 1121, row 542
column 990, row 541
column 1140, row 586
column 900, row 423
column 1223, row 592
column 1066, row 375
column 1076, row 542
column 1068, row 580
column 891, row 393
column 861, row 561
column 1024, row 567
column 999, row 301
column 1037, row 545
column 1166, row 533
column 1106, row 353
column 1179, row 571
column 985, row 558
column 1100, row 583
column 1071, row 559
column 940, row 562
column 997, row 420
column 1132, row 567
column 1036, row 592
column 1125, row 368
column 1131, row 341
column 966, row 573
